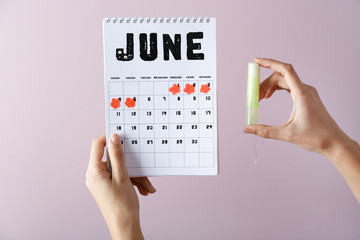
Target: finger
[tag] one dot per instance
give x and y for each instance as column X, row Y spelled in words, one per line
column 274, row 82
column 275, row 79
column 117, row 157
column 285, row 69
column 264, row 131
column 271, row 91
column 145, row 183
column 277, row 66
column 142, row 190
column 97, row 152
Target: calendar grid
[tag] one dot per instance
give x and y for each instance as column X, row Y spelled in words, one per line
column 198, row 103
column 168, row 128
column 139, row 154
column 183, row 124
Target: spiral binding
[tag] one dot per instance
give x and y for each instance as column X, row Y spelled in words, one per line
column 160, row 20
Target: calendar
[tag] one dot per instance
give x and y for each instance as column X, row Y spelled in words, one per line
column 160, row 93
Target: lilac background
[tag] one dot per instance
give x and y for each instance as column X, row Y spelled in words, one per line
column 52, row 105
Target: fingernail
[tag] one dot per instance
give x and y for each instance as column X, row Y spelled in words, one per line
column 248, row 130
column 115, row 138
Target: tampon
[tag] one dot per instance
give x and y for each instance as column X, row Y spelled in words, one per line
column 252, row 93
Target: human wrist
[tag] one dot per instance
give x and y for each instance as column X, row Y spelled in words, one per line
column 340, row 150
column 128, row 228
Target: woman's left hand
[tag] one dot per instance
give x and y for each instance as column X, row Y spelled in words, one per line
column 113, row 192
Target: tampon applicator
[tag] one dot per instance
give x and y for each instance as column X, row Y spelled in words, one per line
column 252, row 93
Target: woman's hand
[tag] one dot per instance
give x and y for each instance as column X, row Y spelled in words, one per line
column 113, row 192
column 310, row 125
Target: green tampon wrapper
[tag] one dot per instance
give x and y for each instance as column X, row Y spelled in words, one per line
column 252, row 93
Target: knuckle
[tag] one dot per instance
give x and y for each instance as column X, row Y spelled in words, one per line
column 289, row 67
column 277, row 75
column 265, row 133
column 314, row 90
column 308, row 92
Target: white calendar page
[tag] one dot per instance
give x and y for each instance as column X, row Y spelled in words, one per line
column 160, row 94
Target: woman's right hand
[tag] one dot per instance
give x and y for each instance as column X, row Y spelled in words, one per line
column 310, row 125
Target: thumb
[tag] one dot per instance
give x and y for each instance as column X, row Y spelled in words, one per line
column 116, row 155
column 265, row 131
